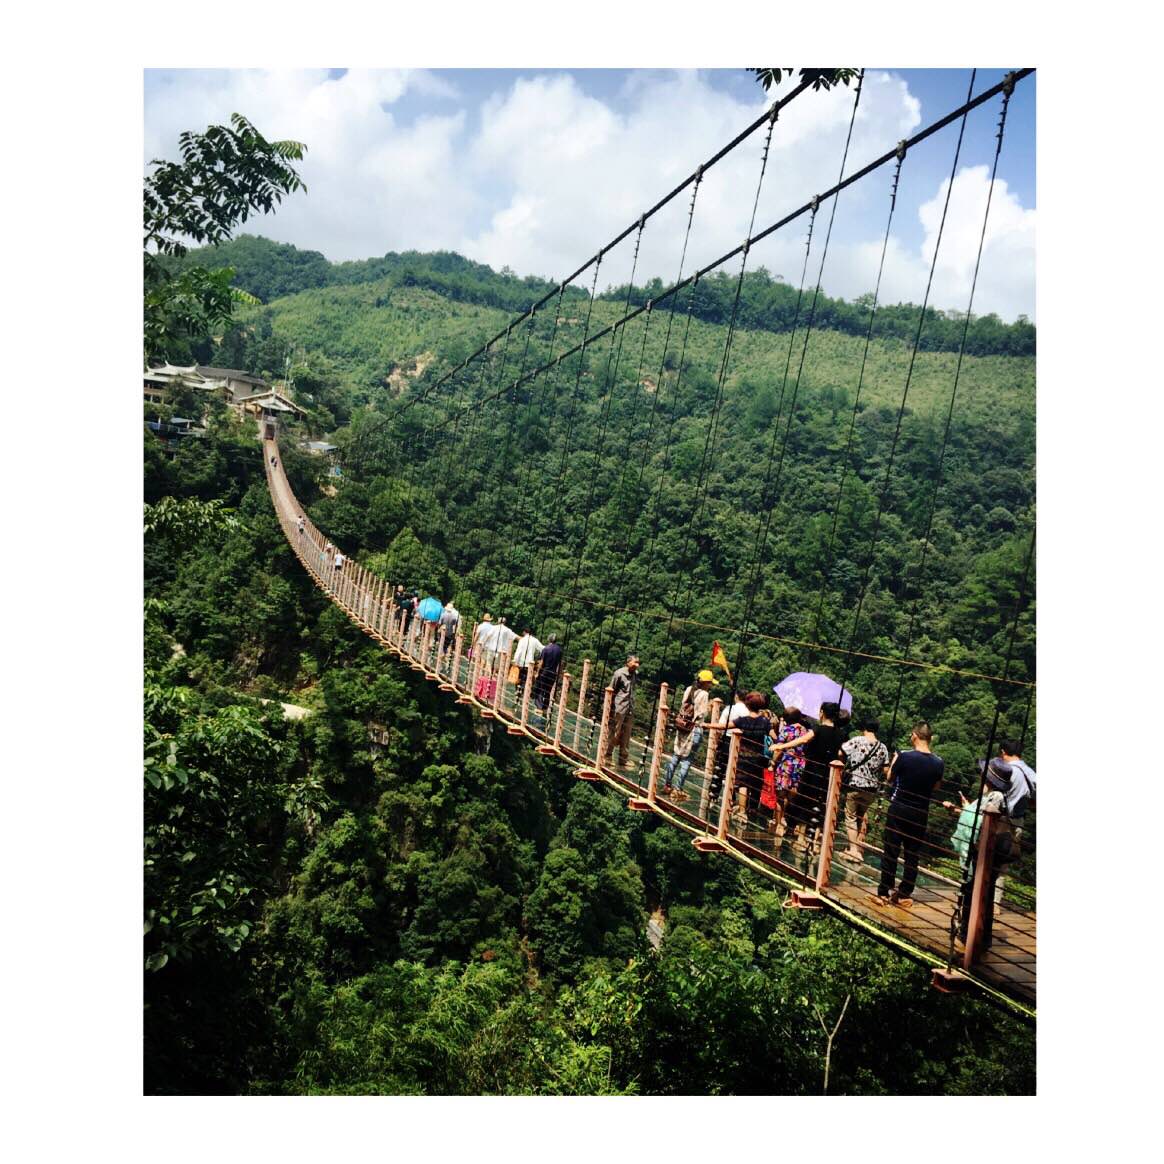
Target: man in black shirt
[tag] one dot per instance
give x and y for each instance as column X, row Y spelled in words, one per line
column 551, row 660
column 914, row 775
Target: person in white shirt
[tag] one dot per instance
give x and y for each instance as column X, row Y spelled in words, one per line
column 485, row 642
column 504, row 638
column 526, row 653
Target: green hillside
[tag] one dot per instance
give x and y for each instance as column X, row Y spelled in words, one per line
column 560, row 539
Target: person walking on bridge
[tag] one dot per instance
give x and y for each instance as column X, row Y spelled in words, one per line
column 526, row 653
column 914, row 774
column 448, row 622
column 484, row 643
column 689, row 724
column 622, row 714
column 547, row 676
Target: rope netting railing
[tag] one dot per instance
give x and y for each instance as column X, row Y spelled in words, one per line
column 825, row 841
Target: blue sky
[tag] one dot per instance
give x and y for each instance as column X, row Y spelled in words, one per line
column 536, row 168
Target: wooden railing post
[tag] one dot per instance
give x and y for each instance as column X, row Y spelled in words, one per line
column 713, row 735
column 529, row 670
column 458, row 642
column 581, row 710
column 502, row 675
column 727, row 794
column 718, row 843
column 980, row 897
column 828, row 834
column 595, row 772
column 564, row 691
column 475, row 661
column 638, row 803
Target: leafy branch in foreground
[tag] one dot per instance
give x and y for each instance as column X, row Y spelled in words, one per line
column 226, row 174
column 820, row 78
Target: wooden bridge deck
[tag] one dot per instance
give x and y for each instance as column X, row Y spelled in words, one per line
column 1006, row 968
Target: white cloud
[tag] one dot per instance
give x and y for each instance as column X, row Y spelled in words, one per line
column 540, row 175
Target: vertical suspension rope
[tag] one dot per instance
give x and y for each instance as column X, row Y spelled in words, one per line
column 710, row 442
column 847, row 456
column 901, row 408
column 767, row 504
column 611, row 386
column 556, row 508
column 950, row 410
column 623, row 555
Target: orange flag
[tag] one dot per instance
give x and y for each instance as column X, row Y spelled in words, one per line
column 719, row 659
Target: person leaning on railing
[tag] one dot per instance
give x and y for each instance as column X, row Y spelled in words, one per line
column 689, row 723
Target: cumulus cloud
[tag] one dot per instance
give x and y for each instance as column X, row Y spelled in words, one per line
column 541, row 174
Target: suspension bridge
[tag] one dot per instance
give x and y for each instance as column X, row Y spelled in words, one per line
column 954, row 924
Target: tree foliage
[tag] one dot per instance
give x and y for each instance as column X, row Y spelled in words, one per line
column 226, row 174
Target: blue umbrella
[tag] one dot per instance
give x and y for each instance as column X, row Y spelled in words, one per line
column 430, row 609
column 807, row 691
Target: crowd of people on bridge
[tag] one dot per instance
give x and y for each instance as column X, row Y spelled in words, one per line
column 782, row 771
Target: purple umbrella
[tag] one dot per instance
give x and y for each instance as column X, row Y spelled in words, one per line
column 807, row 690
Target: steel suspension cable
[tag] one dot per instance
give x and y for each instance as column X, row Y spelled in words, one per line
column 695, row 176
column 767, row 503
column 574, row 400
column 846, row 457
column 950, row 410
column 611, row 382
column 710, row 442
column 904, row 397
column 623, row 555
column 526, row 493
column 857, row 176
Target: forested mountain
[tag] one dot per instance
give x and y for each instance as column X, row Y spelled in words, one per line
column 270, row 270
column 382, row 898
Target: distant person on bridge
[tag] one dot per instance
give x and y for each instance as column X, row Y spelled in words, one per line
column 505, row 637
column 484, row 641
column 821, row 744
column 622, row 714
column 693, row 708
column 301, row 524
column 339, row 561
column 526, row 653
column 866, row 760
column 547, row 676
column 914, row 774
column 449, row 620
column 403, row 601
